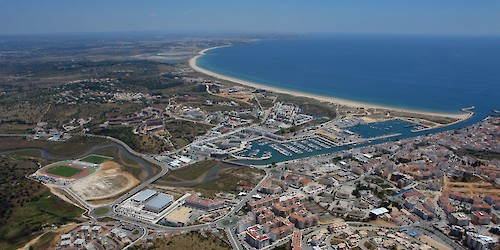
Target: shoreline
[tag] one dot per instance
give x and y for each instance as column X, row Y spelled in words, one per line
column 354, row 104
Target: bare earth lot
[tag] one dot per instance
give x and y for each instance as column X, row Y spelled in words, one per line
column 474, row 188
column 109, row 181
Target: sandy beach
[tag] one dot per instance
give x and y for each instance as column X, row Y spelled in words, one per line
column 349, row 103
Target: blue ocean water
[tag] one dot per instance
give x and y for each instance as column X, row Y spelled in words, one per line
column 428, row 73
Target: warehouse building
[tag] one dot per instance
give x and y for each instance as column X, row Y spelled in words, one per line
column 378, row 212
column 159, row 203
column 143, row 196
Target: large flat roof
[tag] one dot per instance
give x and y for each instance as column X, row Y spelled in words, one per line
column 159, row 201
column 379, row 211
column 144, row 195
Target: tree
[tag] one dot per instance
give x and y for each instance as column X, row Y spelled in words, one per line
column 355, row 192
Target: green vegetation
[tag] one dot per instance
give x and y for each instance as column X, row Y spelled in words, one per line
column 140, row 143
column 65, row 171
column 130, row 165
column 106, row 219
column 101, row 211
column 96, row 159
column 191, row 172
column 379, row 191
column 123, row 134
column 27, row 206
column 53, row 205
column 229, row 222
column 31, row 86
column 71, row 148
column 310, row 106
column 45, row 241
column 286, row 246
column 184, row 132
column 227, row 181
column 224, row 177
column 191, row 240
column 42, row 210
column 481, row 154
column 319, row 109
column 369, row 245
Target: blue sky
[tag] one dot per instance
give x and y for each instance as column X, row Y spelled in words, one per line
column 451, row 17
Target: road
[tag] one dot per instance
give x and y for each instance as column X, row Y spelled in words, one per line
column 218, row 223
column 422, row 226
column 441, row 236
column 76, row 197
column 249, row 195
column 15, row 135
column 164, row 170
column 142, row 237
column 234, row 242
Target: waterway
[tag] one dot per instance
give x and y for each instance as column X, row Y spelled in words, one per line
column 211, row 175
column 122, row 152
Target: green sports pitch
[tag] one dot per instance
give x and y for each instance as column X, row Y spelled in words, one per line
column 96, row 159
column 64, row 171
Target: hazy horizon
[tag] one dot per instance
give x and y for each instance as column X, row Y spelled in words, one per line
column 447, row 17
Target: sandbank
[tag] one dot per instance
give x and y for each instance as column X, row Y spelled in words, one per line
column 355, row 104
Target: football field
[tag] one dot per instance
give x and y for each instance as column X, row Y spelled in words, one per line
column 64, row 171
column 96, row 159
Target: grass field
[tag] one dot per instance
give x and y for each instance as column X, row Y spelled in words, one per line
column 96, row 159
column 45, row 241
column 193, row 171
column 65, row 171
column 101, row 211
column 224, row 177
column 228, row 181
column 317, row 209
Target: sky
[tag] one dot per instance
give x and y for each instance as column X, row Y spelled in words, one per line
column 448, row 17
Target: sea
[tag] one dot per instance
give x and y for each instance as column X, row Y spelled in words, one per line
column 427, row 73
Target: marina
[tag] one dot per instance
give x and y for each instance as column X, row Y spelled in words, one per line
column 280, row 150
column 368, row 134
column 293, row 149
column 301, row 146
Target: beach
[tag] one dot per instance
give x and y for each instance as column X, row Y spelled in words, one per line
column 344, row 102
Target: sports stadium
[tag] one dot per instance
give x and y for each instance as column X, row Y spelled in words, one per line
column 73, row 169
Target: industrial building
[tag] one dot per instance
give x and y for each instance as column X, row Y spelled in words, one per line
column 143, row 196
column 378, row 212
column 159, row 202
